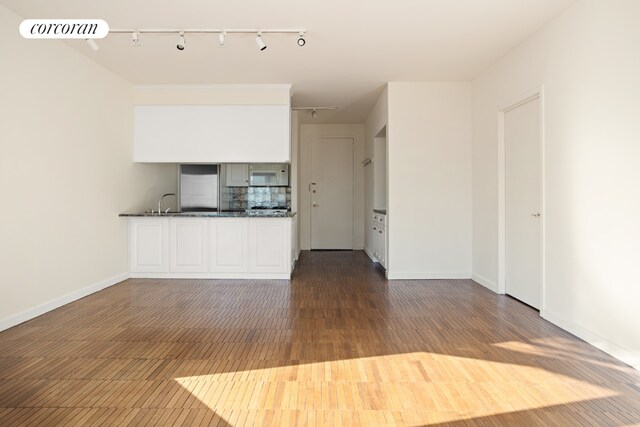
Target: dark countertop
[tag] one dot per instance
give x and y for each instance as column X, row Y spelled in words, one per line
column 380, row 211
column 258, row 214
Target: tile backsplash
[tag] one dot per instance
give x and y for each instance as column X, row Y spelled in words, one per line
column 241, row 198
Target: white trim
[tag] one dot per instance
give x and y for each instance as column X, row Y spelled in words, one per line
column 427, row 275
column 238, row 276
column 537, row 93
column 43, row 308
column 492, row 286
column 370, row 254
column 220, row 87
column 620, row 353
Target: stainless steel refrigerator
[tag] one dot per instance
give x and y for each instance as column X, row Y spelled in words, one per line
column 199, row 188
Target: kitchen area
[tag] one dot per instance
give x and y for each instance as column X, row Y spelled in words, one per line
column 231, row 214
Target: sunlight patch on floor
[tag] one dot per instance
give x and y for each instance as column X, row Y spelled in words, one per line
column 447, row 388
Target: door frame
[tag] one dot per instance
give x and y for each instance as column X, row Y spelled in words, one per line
column 312, row 139
column 537, row 93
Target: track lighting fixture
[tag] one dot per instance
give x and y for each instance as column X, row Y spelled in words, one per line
column 261, row 44
column 135, row 38
column 220, row 32
column 92, row 44
column 313, row 110
column 181, row 41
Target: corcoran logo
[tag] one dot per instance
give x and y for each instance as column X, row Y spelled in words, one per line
column 64, row 29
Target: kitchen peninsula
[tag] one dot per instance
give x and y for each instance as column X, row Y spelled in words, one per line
column 212, row 245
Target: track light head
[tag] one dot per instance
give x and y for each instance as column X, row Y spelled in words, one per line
column 261, row 44
column 181, row 41
column 135, row 38
column 301, row 40
column 221, row 38
column 314, row 113
column 92, row 44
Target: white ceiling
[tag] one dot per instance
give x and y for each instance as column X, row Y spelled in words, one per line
column 353, row 46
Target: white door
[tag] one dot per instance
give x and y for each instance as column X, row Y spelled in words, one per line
column 522, row 145
column 332, row 193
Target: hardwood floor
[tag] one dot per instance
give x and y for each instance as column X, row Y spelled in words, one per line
column 337, row 345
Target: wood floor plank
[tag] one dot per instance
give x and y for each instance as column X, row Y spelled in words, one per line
column 336, row 345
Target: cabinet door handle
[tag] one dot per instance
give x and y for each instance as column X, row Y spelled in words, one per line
column 374, row 228
column 380, row 231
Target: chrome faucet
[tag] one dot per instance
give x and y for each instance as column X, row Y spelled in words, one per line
column 160, row 203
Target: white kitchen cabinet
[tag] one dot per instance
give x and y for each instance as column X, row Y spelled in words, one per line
column 294, row 240
column 379, row 238
column 270, row 242
column 237, row 175
column 149, row 245
column 189, row 245
column 211, row 248
column 212, row 134
column 229, row 245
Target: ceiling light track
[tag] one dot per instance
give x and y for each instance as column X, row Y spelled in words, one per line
column 313, row 110
column 299, row 32
column 221, row 32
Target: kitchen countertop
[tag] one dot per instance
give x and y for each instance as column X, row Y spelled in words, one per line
column 380, row 211
column 258, row 214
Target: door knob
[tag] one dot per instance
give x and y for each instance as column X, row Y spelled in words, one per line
column 535, row 215
column 315, row 205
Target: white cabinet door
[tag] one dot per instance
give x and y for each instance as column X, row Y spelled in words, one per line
column 294, row 238
column 375, row 241
column 189, row 246
column 382, row 233
column 237, row 175
column 212, row 133
column 229, row 245
column 269, row 245
column 148, row 245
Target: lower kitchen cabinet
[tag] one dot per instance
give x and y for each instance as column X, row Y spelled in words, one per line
column 201, row 247
column 270, row 245
column 148, row 245
column 188, row 245
column 229, row 243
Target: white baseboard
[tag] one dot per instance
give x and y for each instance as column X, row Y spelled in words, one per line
column 620, row 353
column 484, row 282
column 223, row 276
column 427, row 275
column 38, row 310
column 370, row 254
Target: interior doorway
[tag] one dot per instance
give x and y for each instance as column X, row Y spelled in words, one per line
column 331, row 188
column 522, row 192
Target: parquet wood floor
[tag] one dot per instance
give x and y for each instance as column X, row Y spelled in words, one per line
column 337, row 345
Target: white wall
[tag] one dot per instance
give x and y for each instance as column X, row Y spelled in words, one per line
column 587, row 59
column 429, row 172
column 307, row 134
column 376, row 121
column 66, row 172
column 247, row 94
